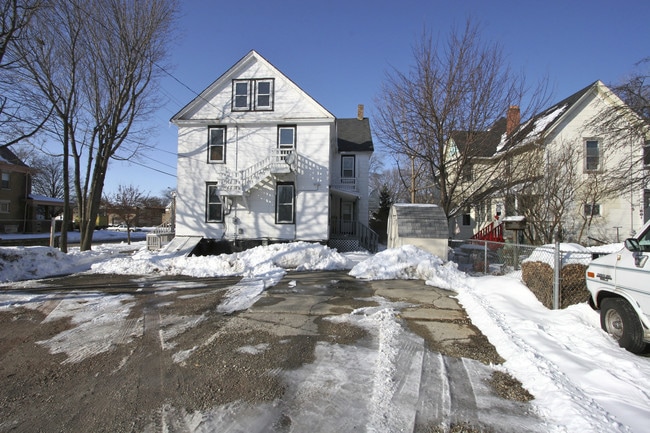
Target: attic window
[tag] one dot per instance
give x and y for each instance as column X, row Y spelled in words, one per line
column 241, row 95
column 252, row 95
column 592, row 155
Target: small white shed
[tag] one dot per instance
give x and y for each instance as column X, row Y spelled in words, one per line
column 422, row 225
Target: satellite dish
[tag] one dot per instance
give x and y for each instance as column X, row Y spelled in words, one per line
column 290, row 158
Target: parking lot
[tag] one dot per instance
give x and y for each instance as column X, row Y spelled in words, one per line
column 318, row 352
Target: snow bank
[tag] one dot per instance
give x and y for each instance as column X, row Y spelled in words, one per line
column 255, row 262
column 410, row 263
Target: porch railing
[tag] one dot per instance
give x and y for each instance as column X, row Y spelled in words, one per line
column 367, row 238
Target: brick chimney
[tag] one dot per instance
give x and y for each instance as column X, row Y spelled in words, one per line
column 360, row 112
column 513, row 119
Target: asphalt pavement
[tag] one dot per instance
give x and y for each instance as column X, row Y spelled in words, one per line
column 302, row 358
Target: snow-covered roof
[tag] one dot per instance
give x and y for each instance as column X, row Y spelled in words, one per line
column 539, row 125
column 46, row 199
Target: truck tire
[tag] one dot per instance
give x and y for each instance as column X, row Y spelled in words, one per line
column 618, row 319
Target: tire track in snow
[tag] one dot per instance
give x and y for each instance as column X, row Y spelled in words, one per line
column 538, row 368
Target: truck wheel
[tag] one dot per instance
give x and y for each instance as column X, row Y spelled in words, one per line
column 618, row 318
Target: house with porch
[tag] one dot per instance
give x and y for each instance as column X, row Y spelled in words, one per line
column 260, row 161
column 576, row 169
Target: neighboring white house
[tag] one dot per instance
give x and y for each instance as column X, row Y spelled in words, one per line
column 577, row 133
column 260, row 160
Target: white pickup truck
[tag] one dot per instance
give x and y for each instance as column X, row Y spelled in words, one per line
column 619, row 284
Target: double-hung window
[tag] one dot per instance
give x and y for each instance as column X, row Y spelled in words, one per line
column 5, row 182
column 285, row 199
column 264, row 94
column 347, row 166
column 5, row 206
column 241, row 95
column 592, row 155
column 217, row 144
column 213, row 204
column 286, row 137
column 252, row 94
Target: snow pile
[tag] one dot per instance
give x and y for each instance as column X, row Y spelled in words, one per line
column 255, row 262
column 410, row 263
column 570, row 254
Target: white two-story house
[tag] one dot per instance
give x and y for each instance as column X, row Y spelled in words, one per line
column 577, row 169
column 259, row 160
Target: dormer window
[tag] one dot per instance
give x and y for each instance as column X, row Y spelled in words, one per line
column 252, row 95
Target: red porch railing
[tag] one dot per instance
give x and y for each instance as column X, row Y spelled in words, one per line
column 491, row 233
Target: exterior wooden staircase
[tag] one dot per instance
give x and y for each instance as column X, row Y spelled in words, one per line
column 490, row 233
column 238, row 183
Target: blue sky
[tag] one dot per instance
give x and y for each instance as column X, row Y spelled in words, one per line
column 339, row 51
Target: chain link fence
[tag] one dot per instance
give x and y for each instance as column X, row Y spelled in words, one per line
column 535, row 266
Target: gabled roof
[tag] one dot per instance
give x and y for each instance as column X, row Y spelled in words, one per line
column 482, row 143
column 7, row 157
column 353, row 135
column 253, row 56
column 539, row 125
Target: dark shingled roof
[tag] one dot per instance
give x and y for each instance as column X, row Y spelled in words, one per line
column 421, row 221
column 353, row 135
column 526, row 130
column 8, row 156
column 481, row 143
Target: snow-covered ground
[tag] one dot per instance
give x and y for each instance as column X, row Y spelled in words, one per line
column 582, row 381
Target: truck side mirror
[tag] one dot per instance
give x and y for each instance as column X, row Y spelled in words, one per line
column 632, row 244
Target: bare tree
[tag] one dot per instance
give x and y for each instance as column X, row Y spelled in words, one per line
column 47, row 176
column 126, row 203
column 97, row 63
column 547, row 202
column 456, row 91
column 119, row 89
column 53, row 52
column 635, row 92
column 18, row 120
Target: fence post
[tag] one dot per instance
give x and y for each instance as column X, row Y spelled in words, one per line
column 485, row 258
column 556, row 276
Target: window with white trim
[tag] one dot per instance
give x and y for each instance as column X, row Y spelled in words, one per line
column 347, row 166
column 6, row 180
column 264, row 94
column 217, row 144
column 253, row 94
column 241, row 95
column 286, row 137
column 285, row 199
column 213, row 204
column 5, row 206
column 592, row 155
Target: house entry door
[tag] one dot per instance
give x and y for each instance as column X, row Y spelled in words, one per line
column 347, row 218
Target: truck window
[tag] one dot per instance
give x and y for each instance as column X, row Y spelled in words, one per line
column 644, row 241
